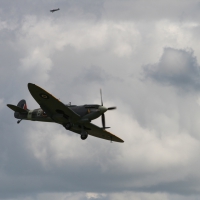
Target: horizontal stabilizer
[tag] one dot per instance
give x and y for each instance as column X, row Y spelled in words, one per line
column 17, row 109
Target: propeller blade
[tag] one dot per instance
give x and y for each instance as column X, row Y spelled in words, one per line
column 103, row 116
column 103, row 121
column 101, row 97
column 112, row 108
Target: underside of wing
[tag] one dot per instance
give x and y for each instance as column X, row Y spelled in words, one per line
column 101, row 133
column 52, row 106
column 97, row 132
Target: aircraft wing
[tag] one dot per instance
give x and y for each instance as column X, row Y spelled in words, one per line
column 98, row 132
column 52, row 106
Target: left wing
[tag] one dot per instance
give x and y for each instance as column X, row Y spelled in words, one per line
column 97, row 132
column 52, row 106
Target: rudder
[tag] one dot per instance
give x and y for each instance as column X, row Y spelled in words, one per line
column 22, row 104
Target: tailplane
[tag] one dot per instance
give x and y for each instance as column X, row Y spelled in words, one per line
column 20, row 110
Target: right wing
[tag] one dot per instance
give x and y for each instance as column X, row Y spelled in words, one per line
column 52, row 106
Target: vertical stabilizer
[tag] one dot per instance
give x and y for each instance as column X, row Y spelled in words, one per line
column 22, row 104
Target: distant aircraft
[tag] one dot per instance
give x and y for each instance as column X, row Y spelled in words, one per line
column 74, row 118
column 54, row 10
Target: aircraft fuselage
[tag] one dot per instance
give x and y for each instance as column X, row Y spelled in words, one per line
column 85, row 112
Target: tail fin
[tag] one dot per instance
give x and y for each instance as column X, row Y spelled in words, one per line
column 22, row 104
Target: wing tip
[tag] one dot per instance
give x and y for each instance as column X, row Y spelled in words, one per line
column 121, row 141
column 30, row 84
column 9, row 105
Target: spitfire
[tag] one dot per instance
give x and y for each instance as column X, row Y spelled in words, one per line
column 72, row 117
column 54, row 10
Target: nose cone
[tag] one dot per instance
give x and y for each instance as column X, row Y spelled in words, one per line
column 102, row 109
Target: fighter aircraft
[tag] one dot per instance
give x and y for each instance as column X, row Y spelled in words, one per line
column 54, row 10
column 74, row 118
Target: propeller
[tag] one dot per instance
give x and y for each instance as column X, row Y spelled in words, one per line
column 103, row 121
column 103, row 115
column 101, row 97
column 112, row 108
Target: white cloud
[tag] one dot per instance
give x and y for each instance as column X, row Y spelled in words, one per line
column 110, row 196
column 95, row 196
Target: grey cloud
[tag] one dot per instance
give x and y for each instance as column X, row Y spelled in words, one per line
column 45, row 158
column 12, row 10
column 152, row 10
column 95, row 74
column 176, row 67
column 107, row 10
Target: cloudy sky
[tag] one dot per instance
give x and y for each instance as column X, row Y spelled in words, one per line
column 145, row 55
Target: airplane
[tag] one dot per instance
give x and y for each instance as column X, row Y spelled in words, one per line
column 54, row 10
column 74, row 118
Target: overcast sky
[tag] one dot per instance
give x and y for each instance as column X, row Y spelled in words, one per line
column 145, row 55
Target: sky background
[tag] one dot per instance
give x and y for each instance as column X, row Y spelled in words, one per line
column 145, row 55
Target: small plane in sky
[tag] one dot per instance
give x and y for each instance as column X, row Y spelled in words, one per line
column 55, row 10
column 74, row 118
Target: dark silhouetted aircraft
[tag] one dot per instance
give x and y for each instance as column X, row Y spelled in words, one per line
column 55, row 10
column 74, row 118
